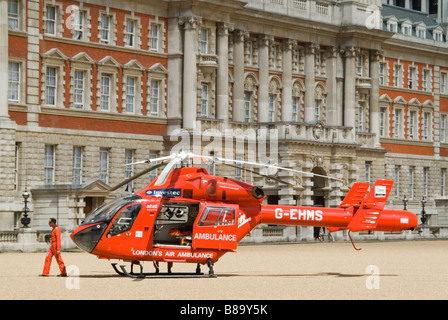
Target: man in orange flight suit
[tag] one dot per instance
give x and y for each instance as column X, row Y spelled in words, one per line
column 55, row 250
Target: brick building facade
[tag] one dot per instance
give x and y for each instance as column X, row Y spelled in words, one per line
column 353, row 89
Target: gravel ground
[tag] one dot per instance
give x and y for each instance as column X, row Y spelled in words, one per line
column 381, row 270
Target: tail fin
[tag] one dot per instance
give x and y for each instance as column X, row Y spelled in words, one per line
column 367, row 215
column 377, row 197
column 355, row 195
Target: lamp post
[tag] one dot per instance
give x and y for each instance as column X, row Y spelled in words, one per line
column 25, row 219
column 423, row 217
column 405, row 201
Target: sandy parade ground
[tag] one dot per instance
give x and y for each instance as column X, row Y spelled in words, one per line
column 381, row 270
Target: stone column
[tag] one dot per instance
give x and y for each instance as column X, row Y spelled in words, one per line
column 238, row 75
column 333, row 118
column 374, row 96
column 310, row 50
column 174, row 108
column 189, row 102
column 288, row 45
column 263, row 78
column 349, row 87
column 4, row 60
column 222, row 87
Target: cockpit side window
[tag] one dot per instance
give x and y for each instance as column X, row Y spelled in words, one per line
column 124, row 220
column 217, row 216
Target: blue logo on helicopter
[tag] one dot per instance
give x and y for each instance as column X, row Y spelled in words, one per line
column 170, row 193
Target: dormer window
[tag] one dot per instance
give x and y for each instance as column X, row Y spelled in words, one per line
column 392, row 25
column 420, row 31
column 437, row 35
column 406, row 27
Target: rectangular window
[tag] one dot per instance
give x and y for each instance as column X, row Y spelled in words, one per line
column 130, row 94
column 367, row 167
column 443, row 128
column 104, row 165
column 204, row 100
column 412, row 123
column 382, row 74
column 443, row 182
column 129, row 33
column 153, row 154
column 203, row 42
column 50, row 20
column 78, row 95
column 77, row 165
column 360, row 116
column 426, row 125
column 411, row 183
column 51, row 86
column 105, row 91
column 247, row 105
column 13, row 14
column 295, row 109
column 49, row 164
column 104, row 29
column 412, row 81
column 359, row 66
column 128, row 159
column 155, row 89
column 396, row 182
column 397, row 123
column 13, row 81
column 239, row 166
column 154, row 37
column 383, row 122
column 271, row 108
column 397, row 75
column 425, row 80
column 78, row 25
column 17, row 161
column 425, row 181
column 443, row 83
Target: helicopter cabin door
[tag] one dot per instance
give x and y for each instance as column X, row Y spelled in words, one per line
column 216, row 227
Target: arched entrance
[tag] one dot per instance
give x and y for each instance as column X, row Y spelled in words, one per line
column 320, row 188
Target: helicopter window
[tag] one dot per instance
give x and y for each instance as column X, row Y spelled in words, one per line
column 107, row 211
column 170, row 214
column 125, row 219
column 217, row 216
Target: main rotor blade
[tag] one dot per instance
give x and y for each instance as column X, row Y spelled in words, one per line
column 259, row 174
column 276, row 167
column 135, row 176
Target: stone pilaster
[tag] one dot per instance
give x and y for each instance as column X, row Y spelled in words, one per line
column 288, row 45
column 263, row 77
column 189, row 103
column 350, row 54
column 222, row 88
column 174, row 108
column 238, row 74
column 310, row 50
column 4, row 60
column 333, row 118
column 374, row 96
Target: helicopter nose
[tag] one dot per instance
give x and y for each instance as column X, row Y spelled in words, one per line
column 87, row 237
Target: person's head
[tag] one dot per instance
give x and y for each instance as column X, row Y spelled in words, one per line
column 52, row 222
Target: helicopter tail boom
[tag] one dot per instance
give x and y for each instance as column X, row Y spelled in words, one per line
column 357, row 212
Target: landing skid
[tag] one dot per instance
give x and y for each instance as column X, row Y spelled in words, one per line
column 169, row 274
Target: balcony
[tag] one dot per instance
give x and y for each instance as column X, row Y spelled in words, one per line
column 208, row 62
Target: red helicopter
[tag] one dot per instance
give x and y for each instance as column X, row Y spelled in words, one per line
column 187, row 215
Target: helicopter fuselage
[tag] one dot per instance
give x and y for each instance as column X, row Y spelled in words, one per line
column 194, row 217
